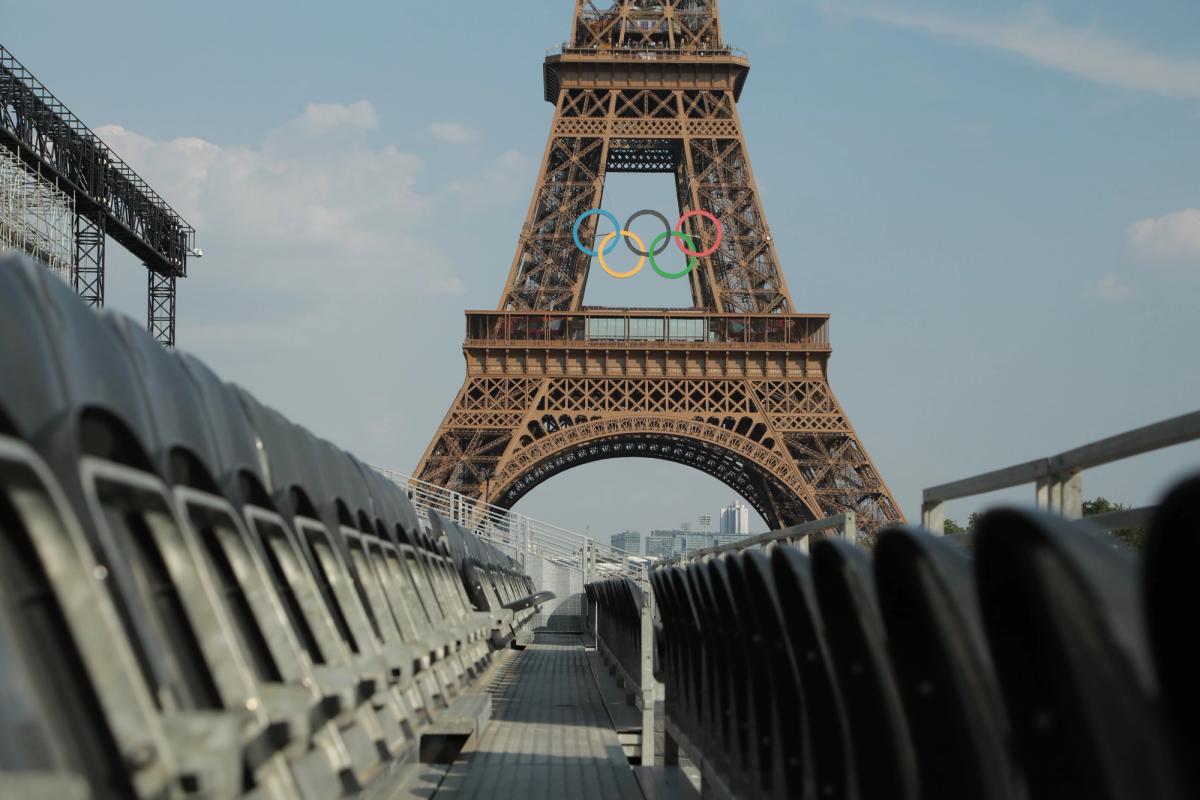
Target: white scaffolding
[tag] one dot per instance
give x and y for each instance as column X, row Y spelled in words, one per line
column 35, row 216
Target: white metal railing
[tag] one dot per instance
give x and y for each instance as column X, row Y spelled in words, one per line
column 1059, row 479
column 35, row 216
column 518, row 534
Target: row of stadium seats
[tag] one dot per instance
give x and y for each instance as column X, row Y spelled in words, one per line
column 1042, row 661
column 200, row 598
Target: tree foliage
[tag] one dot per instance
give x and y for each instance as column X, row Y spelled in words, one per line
column 1131, row 537
column 951, row 526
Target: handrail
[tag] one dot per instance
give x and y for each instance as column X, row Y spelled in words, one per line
column 1059, row 478
column 641, row 53
column 845, row 524
column 522, row 535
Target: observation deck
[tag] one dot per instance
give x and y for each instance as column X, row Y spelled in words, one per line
column 646, row 343
column 714, row 67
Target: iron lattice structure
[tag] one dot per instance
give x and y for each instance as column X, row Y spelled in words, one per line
column 110, row 199
column 736, row 386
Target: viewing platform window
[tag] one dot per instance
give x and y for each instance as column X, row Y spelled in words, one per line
column 688, row 330
column 647, row 328
column 589, row 326
column 608, row 327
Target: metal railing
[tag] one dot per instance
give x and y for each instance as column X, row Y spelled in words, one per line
column 521, row 535
column 642, row 53
column 1059, row 478
column 843, row 525
column 35, row 216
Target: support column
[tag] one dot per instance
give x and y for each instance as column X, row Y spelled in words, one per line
column 850, row 528
column 585, row 605
column 523, row 533
column 88, row 273
column 1062, row 493
column 1072, row 496
column 933, row 517
column 160, row 308
column 651, row 690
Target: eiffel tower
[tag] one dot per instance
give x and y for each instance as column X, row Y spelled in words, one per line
column 735, row 386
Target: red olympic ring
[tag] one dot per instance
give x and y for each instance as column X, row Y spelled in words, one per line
column 706, row 215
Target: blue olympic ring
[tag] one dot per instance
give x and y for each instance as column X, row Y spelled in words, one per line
column 579, row 221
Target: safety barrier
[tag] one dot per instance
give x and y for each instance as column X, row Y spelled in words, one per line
column 518, row 534
column 802, row 536
column 1048, row 661
column 198, row 597
column 1059, row 478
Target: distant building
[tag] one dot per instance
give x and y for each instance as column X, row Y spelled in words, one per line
column 629, row 541
column 676, row 543
column 660, row 544
column 735, row 518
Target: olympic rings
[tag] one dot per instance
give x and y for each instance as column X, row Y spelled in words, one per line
column 603, row 265
column 701, row 213
column 645, row 212
column 579, row 221
column 666, row 235
column 657, row 247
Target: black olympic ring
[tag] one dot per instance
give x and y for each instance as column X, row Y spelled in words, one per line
column 666, row 242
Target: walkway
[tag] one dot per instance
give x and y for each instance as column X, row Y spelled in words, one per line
column 550, row 735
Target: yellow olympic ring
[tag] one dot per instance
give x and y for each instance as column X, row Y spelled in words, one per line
column 604, row 265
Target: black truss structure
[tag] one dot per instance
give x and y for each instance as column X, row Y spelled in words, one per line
column 160, row 307
column 88, row 274
column 110, row 198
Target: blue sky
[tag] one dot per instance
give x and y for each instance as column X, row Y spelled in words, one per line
column 997, row 202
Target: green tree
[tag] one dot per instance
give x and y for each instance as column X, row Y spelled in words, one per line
column 951, row 526
column 1131, row 537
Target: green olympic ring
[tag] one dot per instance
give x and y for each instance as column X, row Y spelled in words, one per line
column 691, row 265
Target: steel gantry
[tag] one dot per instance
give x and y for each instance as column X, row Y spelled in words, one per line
column 111, row 200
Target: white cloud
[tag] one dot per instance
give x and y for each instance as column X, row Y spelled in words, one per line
column 296, row 240
column 326, row 265
column 322, row 117
column 503, row 182
column 1084, row 52
column 1171, row 237
column 1111, row 289
column 353, row 199
column 453, row 132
